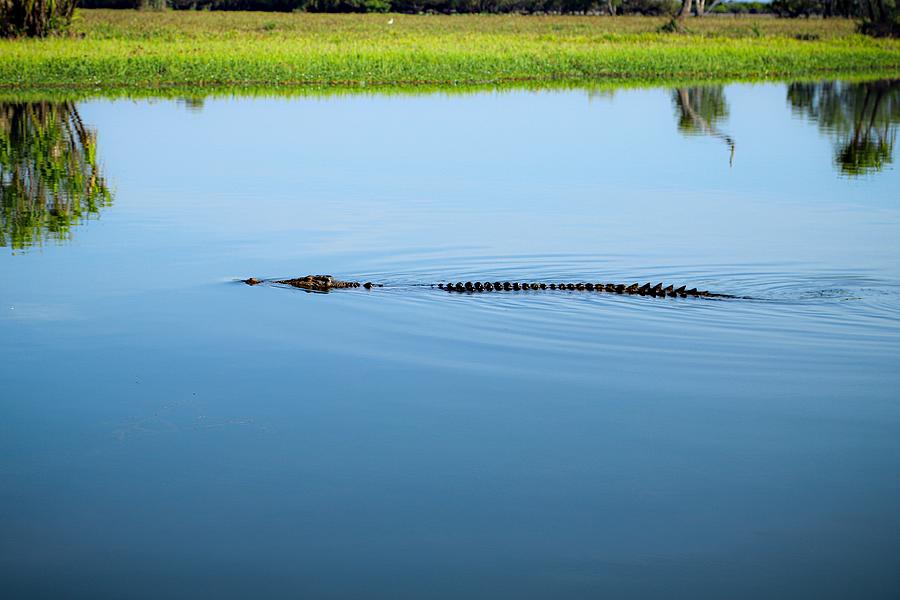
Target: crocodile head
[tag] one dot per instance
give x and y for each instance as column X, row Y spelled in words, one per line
column 314, row 283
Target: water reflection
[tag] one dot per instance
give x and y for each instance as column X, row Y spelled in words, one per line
column 50, row 180
column 699, row 110
column 860, row 117
column 193, row 104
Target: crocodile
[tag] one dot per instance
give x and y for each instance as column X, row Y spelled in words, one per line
column 326, row 283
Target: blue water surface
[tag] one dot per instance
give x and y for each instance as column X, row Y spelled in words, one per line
column 168, row 432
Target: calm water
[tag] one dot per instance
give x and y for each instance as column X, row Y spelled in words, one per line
column 167, row 432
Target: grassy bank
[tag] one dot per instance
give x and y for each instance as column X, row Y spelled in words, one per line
column 143, row 49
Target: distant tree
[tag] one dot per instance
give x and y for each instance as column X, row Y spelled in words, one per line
column 150, row 5
column 50, row 179
column 881, row 18
column 877, row 17
column 797, row 8
column 862, row 119
column 35, row 18
column 735, row 8
column 648, row 7
column 700, row 8
column 345, row 6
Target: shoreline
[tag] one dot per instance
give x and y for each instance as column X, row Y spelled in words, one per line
column 64, row 92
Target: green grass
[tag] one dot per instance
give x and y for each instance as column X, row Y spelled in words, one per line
column 122, row 49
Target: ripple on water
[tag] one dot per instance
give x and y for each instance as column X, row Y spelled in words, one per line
column 786, row 312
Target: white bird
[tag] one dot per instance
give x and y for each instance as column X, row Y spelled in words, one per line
column 391, row 21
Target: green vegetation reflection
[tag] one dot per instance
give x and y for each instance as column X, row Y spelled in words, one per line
column 50, row 179
column 861, row 118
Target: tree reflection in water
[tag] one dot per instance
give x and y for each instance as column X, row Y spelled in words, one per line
column 699, row 110
column 50, row 180
column 861, row 118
